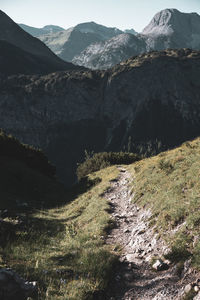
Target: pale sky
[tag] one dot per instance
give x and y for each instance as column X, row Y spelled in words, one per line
column 123, row 14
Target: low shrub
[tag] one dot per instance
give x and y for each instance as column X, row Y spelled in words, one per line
column 104, row 159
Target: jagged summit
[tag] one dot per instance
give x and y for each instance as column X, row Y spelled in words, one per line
column 168, row 21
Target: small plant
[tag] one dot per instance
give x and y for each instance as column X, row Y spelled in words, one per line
column 166, row 166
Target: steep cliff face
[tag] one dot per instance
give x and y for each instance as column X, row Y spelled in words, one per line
column 151, row 100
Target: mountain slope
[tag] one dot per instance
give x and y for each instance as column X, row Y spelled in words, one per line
column 111, row 52
column 14, row 60
column 67, row 113
column 13, row 34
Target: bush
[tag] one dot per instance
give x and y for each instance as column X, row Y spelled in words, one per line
column 104, row 159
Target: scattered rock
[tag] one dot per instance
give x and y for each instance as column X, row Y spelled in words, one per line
column 197, row 297
column 196, row 288
column 160, row 265
column 188, row 288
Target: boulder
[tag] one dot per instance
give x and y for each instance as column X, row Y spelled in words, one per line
column 13, row 287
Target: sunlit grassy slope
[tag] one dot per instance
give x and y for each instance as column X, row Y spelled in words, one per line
column 62, row 248
column 170, row 184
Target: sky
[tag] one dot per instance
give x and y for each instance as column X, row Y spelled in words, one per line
column 123, row 14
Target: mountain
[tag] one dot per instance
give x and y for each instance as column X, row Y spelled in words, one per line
column 69, row 43
column 36, row 32
column 169, row 28
column 35, row 50
column 66, row 113
column 104, row 55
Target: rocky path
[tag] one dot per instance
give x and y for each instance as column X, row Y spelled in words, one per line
column 135, row 278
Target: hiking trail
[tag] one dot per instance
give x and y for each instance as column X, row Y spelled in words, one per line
column 135, row 278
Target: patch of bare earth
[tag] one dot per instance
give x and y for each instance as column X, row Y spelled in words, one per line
column 134, row 277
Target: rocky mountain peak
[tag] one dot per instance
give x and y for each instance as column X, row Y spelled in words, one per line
column 168, row 21
column 161, row 22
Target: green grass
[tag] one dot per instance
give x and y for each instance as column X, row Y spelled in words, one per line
column 62, row 248
column 169, row 184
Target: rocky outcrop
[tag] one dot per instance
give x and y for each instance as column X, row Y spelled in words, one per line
column 150, row 102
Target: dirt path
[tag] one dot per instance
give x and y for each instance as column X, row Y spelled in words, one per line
column 135, row 278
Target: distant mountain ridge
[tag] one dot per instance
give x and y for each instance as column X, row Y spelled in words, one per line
column 98, row 47
column 71, row 42
column 36, row 32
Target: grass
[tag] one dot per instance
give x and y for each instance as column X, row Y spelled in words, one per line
column 63, row 248
column 169, row 184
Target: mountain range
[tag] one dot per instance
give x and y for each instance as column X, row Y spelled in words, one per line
column 98, row 47
column 67, row 112
column 169, row 28
column 72, row 41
